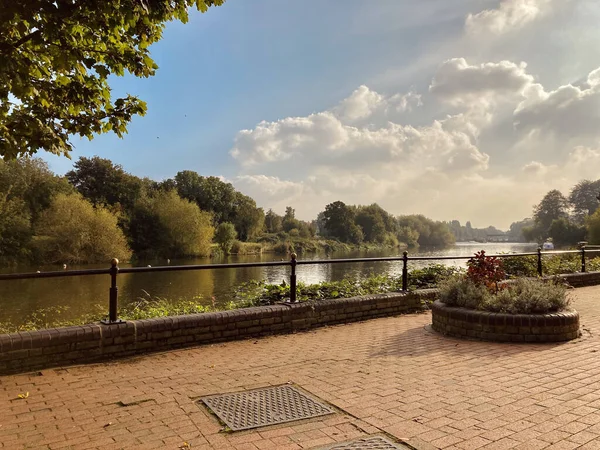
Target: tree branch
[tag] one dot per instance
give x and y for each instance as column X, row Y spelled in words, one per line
column 27, row 38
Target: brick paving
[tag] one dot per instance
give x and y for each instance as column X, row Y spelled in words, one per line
column 391, row 376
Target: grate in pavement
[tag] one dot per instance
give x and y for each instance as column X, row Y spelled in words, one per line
column 262, row 407
column 366, row 443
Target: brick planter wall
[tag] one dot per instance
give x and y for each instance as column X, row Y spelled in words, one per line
column 468, row 323
column 26, row 351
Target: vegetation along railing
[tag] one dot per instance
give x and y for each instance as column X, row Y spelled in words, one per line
column 114, row 270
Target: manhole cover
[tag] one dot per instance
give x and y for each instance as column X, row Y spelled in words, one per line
column 366, row 443
column 262, row 407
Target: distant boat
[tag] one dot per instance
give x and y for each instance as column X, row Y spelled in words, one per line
column 548, row 245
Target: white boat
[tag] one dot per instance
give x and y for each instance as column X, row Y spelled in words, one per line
column 548, row 245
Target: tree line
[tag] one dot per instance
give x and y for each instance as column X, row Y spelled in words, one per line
column 98, row 211
column 566, row 220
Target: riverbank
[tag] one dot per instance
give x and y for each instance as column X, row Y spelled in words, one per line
column 301, row 246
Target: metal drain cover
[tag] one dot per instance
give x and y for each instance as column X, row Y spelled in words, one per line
column 366, row 443
column 262, row 407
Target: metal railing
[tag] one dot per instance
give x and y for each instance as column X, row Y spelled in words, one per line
column 115, row 270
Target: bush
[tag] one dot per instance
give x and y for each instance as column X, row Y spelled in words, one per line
column 430, row 276
column 520, row 266
column 523, row 296
column 528, row 296
column 225, row 236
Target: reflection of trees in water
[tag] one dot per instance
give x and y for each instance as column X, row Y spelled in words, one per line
column 21, row 298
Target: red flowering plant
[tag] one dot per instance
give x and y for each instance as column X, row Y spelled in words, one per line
column 486, row 270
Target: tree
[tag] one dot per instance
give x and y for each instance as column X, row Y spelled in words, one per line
column 249, row 220
column 583, row 199
column 273, row 222
column 55, row 61
column 225, row 236
column 593, row 228
column 165, row 225
column 553, row 206
column 431, row 233
column 71, row 230
column 104, row 183
column 375, row 222
column 15, row 229
column 339, row 221
column 563, row 232
column 516, row 231
column 289, row 221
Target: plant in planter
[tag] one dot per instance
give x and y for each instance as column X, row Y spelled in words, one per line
column 482, row 304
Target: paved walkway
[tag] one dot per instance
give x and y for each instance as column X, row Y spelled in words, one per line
column 389, row 375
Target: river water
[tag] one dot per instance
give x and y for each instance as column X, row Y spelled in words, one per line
column 20, row 298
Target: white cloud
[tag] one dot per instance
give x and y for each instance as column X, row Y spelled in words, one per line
column 458, row 82
column 361, row 151
column 510, row 15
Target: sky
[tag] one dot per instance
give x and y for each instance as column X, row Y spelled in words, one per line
column 455, row 109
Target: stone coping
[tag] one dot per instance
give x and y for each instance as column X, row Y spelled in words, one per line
column 489, row 326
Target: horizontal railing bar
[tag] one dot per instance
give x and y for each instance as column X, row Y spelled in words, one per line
column 53, row 274
column 124, row 270
column 202, row 267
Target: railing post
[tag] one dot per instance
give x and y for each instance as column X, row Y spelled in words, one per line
column 539, row 261
column 113, row 295
column 583, row 258
column 293, row 279
column 405, row 271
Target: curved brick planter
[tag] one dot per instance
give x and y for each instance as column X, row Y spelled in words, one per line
column 468, row 323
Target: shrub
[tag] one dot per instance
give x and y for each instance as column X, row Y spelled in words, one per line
column 523, row 296
column 520, row 266
column 430, row 276
column 528, row 296
column 485, row 270
column 462, row 292
column 225, row 236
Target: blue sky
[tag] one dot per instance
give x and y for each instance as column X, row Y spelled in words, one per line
column 451, row 108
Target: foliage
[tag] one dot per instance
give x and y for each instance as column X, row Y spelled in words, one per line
column 592, row 224
column 15, row 229
column 72, row 230
column 528, row 296
column 463, row 292
column 225, row 235
column 273, row 222
column 55, row 61
column 146, row 307
column 104, row 183
column 430, row 276
column 431, row 233
column 564, row 232
column 553, row 206
column 485, row 270
column 520, row 266
column 524, row 296
column 165, row 225
column 246, row 248
column 515, row 232
column 338, row 219
column 583, row 199
column 464, row 233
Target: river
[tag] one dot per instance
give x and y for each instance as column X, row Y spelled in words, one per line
column 20, row 298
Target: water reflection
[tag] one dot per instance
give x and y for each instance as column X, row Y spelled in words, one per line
column 19, row 298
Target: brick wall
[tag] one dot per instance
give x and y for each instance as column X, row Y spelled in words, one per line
column 26, row 351
column 461, row 322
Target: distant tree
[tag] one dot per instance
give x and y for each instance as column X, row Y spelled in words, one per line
column 515, row 232
column 431, row 233
column 249, row 220
column 165, row 225
column 338, row 219
column 225, row 236
column 553, row 206
column 15, row 229
column 55, row 61
column 104, row 183
column 71, row 230
column 31, row 181
column 563, row 232
column 273, row 222
column 583, row 199
column 375, row 222
column 289, row 221
column 408, row 235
